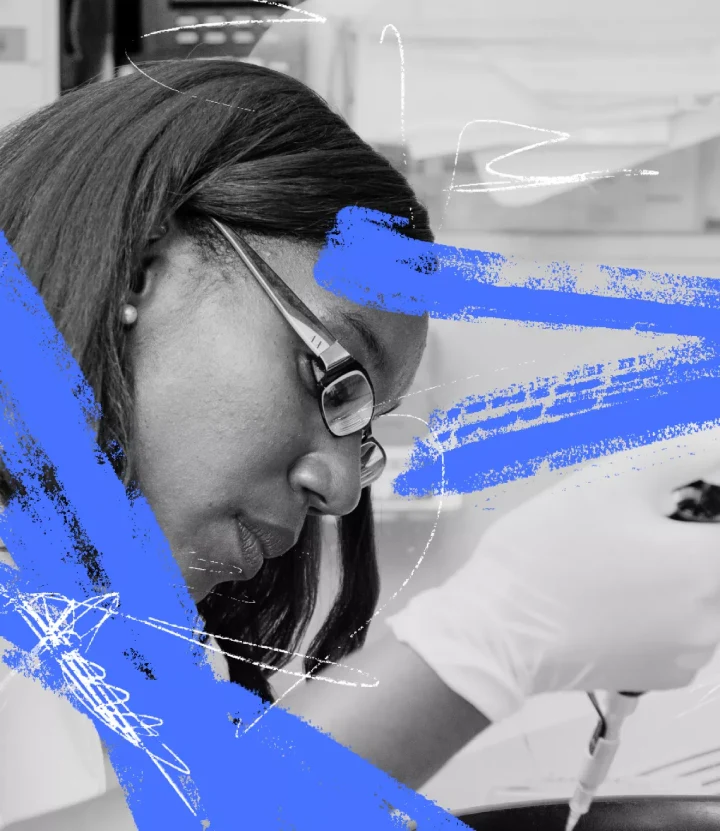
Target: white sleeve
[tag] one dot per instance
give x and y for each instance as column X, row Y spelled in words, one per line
column 449, row 630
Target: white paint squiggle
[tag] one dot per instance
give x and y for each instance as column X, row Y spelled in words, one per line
column 66, row 629
column 309, row 17
column 512, row 181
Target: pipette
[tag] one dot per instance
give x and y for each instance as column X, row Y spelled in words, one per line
column 603, row 747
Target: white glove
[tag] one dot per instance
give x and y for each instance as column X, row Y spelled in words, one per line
column 588, row 586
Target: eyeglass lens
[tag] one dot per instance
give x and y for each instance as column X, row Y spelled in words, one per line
column 348, row 403
column 372, row 463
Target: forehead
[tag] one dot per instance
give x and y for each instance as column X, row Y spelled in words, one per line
column 389, row 344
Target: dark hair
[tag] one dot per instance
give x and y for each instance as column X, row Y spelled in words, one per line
column 83, row 184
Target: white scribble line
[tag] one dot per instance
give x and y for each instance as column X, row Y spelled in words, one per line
column 710, row 697
column 86, row 679
column 214, row 562
column 54, row 619
column 248, row 22
column 306, row 676
column 309, row 17
column 222, row 570
column 516, row 181
column 172, row 629
column 403, row 136
column 546, row 181
column 402, row 86
column 230, row 597
column 180, row 92
column 178, row 631
column 455, row 381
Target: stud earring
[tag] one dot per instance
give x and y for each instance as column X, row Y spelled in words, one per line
column 159, row 232
column 129, row 315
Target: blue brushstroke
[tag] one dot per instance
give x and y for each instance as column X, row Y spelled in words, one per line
column 597, row 406
column 506, row 456
column 594, row 410
column 369, row 261
column 283, row 772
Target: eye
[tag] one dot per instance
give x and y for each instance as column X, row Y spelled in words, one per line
column 318, row 371
column 310, row 374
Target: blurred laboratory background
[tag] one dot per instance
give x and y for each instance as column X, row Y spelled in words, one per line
column 450, row 91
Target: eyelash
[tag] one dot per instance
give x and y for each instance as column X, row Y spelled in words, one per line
column 309, row 373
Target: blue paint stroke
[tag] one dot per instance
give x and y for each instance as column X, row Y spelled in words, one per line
column 567, row 420
column 506, row 455
column 369, row 261
column 493, row 439
column 93, row 568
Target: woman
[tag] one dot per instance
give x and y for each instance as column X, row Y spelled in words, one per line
column 107, row 195
column 147, row 211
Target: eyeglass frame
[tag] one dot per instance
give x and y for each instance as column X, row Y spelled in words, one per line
column 335, row 359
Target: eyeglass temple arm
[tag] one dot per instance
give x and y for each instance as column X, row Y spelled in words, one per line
column 311, row 331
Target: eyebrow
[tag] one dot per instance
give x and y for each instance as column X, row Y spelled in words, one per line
column 375, row 349
column 377, row 353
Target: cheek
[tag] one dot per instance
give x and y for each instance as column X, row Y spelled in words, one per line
column 212, row 408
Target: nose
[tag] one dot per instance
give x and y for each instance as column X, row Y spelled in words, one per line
column 329, row 476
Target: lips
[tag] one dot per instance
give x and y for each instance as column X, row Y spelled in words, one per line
column 252, row 554
column 260, row 542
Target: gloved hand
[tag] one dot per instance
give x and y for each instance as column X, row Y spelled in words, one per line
column 587, row 586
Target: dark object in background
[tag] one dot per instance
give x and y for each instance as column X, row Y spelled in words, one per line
column 698, row 502
column 619, row 814
column 86, row 40
column 128, row 30
column 213, row 40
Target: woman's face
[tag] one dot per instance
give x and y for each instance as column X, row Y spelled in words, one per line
column 229, row 432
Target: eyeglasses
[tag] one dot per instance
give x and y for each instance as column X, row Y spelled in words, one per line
column 345, row 392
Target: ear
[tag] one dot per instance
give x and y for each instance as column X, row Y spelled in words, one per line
column 153, row 258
